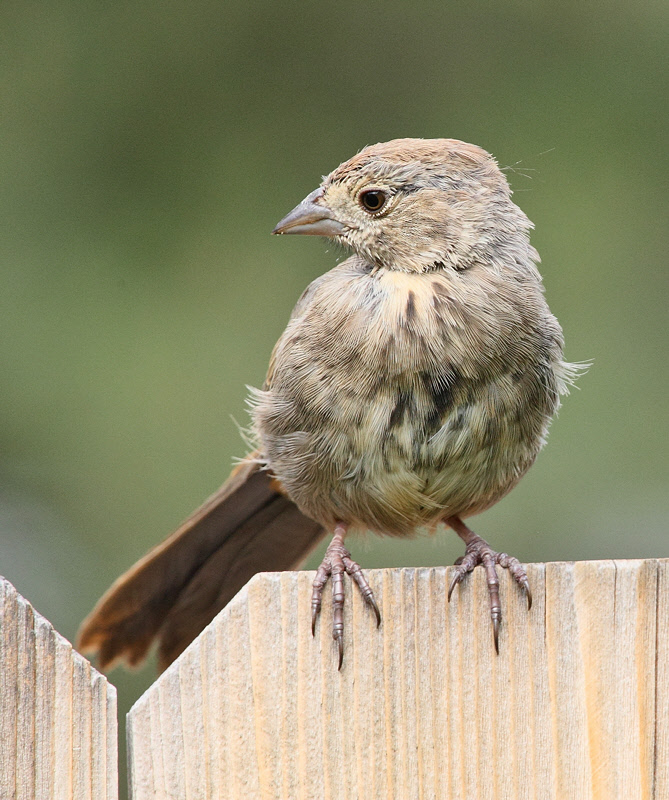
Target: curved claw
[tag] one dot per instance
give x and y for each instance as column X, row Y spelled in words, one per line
column 340, row 647
column 495, row 633
column 375, row 609
column 528, row 593
column 314, row 616
column 455, row 580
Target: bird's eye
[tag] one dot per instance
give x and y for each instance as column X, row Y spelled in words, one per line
column 373, row 201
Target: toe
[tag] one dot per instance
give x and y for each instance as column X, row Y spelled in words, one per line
column 353, row 569
column 320, row 580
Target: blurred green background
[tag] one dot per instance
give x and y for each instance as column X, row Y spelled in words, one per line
column 148, row 148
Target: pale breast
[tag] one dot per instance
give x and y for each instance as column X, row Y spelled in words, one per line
column 395, row 399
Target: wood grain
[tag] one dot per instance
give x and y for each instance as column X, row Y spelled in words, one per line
column 58, row 730
column 575, row 706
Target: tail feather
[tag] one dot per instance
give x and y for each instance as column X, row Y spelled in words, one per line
column 171, row 594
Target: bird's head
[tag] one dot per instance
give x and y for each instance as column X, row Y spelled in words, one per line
column 415, row 205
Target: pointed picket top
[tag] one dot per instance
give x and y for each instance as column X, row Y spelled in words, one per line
column 58, row 728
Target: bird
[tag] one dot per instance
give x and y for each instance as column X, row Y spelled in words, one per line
column 413, row 385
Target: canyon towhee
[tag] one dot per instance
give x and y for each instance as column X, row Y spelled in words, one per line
column 414, row 384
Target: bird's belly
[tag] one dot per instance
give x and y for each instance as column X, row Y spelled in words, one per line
column 389, row 462
column 381, row 413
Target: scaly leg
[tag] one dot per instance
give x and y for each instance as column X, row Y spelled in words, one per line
column 336, row 561
column 478, row 551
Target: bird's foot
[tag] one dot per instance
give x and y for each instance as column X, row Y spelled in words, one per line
column 478, row 551
column 336, row 561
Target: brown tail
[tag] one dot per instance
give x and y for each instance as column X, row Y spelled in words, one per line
column 172, row 593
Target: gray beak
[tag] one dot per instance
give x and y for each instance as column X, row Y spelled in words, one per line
column 311, row 218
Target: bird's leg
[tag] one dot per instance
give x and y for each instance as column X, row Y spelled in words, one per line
column 478, row 551
column 336, row 561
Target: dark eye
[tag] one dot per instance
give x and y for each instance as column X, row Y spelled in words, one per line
column 373, row 200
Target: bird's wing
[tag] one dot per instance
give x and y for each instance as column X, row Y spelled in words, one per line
column 171, row 594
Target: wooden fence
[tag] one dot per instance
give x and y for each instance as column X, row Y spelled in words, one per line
column 58, row 730
column 575, row 707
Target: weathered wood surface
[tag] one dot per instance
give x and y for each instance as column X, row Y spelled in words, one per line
column 575, row 707
column 58, row 730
